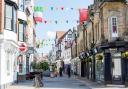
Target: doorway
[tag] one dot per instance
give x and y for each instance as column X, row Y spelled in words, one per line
column 116, row 68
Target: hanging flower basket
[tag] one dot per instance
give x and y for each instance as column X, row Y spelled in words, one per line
column 125, row 55
column 99, row 57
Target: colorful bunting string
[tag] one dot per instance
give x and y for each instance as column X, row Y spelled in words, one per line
column 44, row 42
column 60, row 21
column 42, row 8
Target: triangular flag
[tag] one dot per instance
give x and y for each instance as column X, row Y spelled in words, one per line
column 50, row 21
column 67, row 9
column 62, row 8
column 66, row 21
column 38, row 16
column 56, row 21
column 45, row 21
column 38, row 8
column 52, row 8
column 71, row 8
column 57, row 8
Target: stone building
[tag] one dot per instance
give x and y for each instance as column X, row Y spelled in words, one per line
column 106, row 41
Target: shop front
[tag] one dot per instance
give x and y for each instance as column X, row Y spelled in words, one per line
column 113, row 68
column 99, row 67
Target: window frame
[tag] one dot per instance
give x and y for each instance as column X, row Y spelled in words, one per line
column 111, row 26
column 13, row 18
column 24, row 26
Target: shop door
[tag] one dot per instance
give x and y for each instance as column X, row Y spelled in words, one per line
column 116, row 70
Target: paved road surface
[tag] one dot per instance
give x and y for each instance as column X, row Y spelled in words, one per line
column 62, row 83
column 53, row 83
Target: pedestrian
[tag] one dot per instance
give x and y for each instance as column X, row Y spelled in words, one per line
column 69, row 71
column 60, row 71
column 55, row 72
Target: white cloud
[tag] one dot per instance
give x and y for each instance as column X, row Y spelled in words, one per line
column 51, row 34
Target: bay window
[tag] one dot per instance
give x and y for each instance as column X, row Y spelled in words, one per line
column 10, row 18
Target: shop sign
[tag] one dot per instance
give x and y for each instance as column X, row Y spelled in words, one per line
column 113, row 50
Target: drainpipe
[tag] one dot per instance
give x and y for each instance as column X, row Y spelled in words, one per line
column 93, row 44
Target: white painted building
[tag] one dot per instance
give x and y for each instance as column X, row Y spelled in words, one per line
column 66, row 41
column 8, row 42
column 30, row 33
column 52, row 55
column 22, row 22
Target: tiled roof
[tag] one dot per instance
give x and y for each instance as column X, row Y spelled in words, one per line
column 59, row 34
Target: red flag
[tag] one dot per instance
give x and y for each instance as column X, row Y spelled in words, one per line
column 83, row 15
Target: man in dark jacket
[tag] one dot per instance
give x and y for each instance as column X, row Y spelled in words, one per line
column 69, row 71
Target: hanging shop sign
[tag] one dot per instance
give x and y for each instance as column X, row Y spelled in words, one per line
column 83, row 15
column 22, row 46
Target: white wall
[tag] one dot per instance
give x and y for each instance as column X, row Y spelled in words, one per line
column 9, row 35
column 7, row 53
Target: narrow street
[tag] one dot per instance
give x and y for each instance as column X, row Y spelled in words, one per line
column 53, row 83
column 62, row 83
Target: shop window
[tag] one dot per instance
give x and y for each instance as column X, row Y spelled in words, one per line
column 113, row 26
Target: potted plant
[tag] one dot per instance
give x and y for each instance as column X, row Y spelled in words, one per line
column 38, row 68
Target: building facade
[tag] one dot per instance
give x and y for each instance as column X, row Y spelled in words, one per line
column 9, row 42
column 105, row 42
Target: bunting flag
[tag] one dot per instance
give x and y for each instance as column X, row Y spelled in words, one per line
column 42, row 8
column 56, row 22
column 38, row 13
column 52, row 8
column 66, row 21
column 38, row 16
column 44, row 42
column 60, row 21
column 38, row 8
column 83, row 15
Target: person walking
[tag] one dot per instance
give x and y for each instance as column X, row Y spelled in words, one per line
column 69, row 71
column 60, row 71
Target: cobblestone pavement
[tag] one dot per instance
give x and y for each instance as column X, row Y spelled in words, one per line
column 64, row 83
